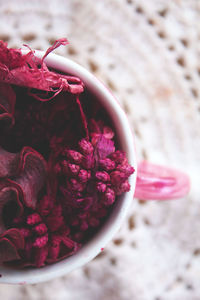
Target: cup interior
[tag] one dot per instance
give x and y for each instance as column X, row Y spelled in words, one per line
column 125, row 138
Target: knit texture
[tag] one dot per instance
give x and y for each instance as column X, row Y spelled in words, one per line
column 147, row 53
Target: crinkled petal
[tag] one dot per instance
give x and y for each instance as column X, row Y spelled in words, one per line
column 27, row 169
column 10, row 192
column 40, row 256
column 29, row 71
column 10, row 59
column 54, row 248
column 32, row 175
column 8, row 250
column 8, row 163
column 104, row 147
column 15, row 236
column 64, row 248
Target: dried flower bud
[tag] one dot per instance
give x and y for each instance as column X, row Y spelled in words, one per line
column 86, row 147
column 33, row 219
column 40, row 229
column 84, row 175
column 108, row 132
column 123, row 188
column 101, row 187
column 73, row 156
column 107, row 164
column 109, row 197
column 126, row 169
column 117, row 178
column 41, row 241
column 102, row 176
column 69, row 168
column 74, row 185
column 118, row 156
column 84, row 203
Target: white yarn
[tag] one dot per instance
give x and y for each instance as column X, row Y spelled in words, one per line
column 147, row 52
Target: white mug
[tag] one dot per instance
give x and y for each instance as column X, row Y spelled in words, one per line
column 124, row 135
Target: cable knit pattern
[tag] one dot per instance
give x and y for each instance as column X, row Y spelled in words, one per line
column 147, row 52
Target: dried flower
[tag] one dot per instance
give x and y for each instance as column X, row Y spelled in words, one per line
column 59, row 174
column 11, row 241
column 96, row 174
column 47, row 238
column 24, row 70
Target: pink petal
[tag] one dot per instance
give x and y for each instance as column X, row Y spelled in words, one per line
column 8, row 162
column 10, row 58
column 103, row 148
column 32, row 176
column 23, row 70
column 40, row 256
column 160, row 183
column 15, row 236
column 27, row 169
column 8, row 250
column 54, row 248
column 62, row 250
column 10, row 193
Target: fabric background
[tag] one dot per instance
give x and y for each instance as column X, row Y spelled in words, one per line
column 147, row 53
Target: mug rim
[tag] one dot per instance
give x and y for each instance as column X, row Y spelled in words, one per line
column 109, row 228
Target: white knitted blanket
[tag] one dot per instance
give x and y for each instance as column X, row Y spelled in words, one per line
column 147, row 52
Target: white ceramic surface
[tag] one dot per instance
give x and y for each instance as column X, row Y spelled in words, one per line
column 111, row 226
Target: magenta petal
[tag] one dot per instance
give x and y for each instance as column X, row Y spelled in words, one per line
column 9, row 59
column 40, row 256
column 32, row 175
column 10, row 242
column 104, row 147
column 54, row 248
column 68, row 242
column 57, row 43
column 24, row 70
column 63, row 248
column 11, row 193
column 8, row 250
column 27, row 169
column 8, row 162
column 160, row 183
column 15, row 236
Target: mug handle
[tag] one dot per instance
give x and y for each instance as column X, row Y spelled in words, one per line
column 156, row 182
